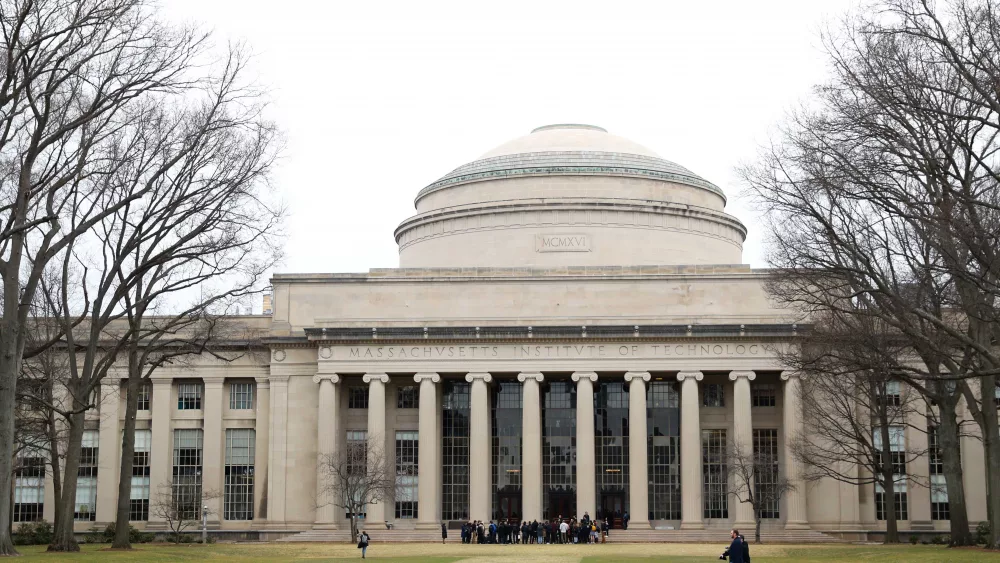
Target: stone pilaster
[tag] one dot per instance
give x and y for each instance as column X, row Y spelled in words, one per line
column 586, row 479
column 531, row 446
column 214, row 446
column 742, row 437
column 795, row 499
column 278, row 466
column 691, row 501
column 376, row 436
column 109, row 450
column 327, row 432
column 262, row 433
column 162, row 453
column 429, row 468
column 638, row 468
column 480, row 447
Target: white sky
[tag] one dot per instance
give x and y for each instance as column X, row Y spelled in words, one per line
column 379, row 99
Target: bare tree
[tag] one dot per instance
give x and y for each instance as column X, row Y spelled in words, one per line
column 356, row 476
column 71, row 73
column 754, row 479
column 181, row 511
column 882, row 191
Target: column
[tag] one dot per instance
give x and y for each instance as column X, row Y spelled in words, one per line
column 376, row 436
column 586, row 480
column 691, row 501
column 161, row 453
column 480, row 448
column 327, row 431
column 213, row 445
column 795, row 499
column 428, row 466
column 638, row 468
column 742, row 438
column 109, row 450
column 531, row 445
column 278, row 462
column 262, row 432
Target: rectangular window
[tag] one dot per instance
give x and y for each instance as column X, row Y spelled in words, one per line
column 939, row 489
column 143, row 396
column 897, row 447
column 357, row 397
column 241, row 396
column 892, row 395
column 237, row 498
column 505, row 427
column 407, row 451
column 189, row 397
column 715, row 475
column 763, row 395
column 611, row 438
column 408, row 397
column 357, row 457
column 713, row 395
column 187, row 473
column 29, row 485
column 663, row 442
column 455, row 450
column 86, row 480
column 138, row 510
column 765, row 451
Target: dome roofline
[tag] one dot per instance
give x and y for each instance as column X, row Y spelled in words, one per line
column 569, row 126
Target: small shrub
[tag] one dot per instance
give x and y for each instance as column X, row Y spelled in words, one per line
column 983, row 533
column 134, row 535
column 914, row 540
column 946, row 540
column 185, row 538
column 936, row 540
column 33, row 533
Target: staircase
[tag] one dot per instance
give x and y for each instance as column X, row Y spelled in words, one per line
column 635, row 535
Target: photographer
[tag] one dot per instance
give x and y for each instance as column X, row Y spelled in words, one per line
column 738, row 551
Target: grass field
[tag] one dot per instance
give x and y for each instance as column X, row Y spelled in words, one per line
column 434, row 553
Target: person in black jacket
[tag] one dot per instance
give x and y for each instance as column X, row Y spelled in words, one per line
column 363, row 542
column 736, row 549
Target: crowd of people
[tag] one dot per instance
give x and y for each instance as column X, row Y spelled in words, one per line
column 556, row 531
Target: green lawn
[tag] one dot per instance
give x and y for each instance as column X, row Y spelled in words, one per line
column 435, row 553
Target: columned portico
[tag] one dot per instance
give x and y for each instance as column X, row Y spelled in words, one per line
column 377, row 512
column 429, row 466
column 691, row 501
column 586, row 479
column 480, row 447
column 326, row 445
column 795, row 499
column 531, row 445
column 742, row 436
column 637, row 449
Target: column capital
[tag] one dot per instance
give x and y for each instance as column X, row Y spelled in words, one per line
column 692, row 375
column 213, row 381
column 734, row 375
column 789, row 374
column 526, row 375
column 263, row 382
column 472, row 376
column 643, row 375
column 578, row 375
column 372, row 377
column 433, row 377
column 333, row 377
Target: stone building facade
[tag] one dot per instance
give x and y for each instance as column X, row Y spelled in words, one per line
column 571, row 329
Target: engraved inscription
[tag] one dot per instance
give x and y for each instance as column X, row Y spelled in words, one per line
column 553, row 351
column 562, row 243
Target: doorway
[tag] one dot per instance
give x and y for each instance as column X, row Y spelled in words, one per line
column 508, row 506
column 613, row 508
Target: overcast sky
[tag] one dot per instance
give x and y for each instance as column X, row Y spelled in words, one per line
column 379, row 99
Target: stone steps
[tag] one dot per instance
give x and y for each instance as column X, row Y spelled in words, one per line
column 720, row 536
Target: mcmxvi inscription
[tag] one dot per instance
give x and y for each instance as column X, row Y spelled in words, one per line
column 562, row 243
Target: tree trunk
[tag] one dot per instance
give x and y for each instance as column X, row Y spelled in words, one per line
column 951, row 458
column 63, row 539
column 121, row 540
column 757, row 521
column 888, row 485
column 10, row 366
column 991, row 444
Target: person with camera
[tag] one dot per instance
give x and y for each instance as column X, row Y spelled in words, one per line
column 738, row 551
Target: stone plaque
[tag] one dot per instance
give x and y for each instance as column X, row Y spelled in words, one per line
column 572, row 242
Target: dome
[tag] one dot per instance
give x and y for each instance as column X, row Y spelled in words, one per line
column 569, row 195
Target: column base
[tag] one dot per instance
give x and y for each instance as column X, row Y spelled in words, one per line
column 797, row 525
column 692, row 525
column 644, row 524
column 326, row 526
column 744, row 527
column 427, row 526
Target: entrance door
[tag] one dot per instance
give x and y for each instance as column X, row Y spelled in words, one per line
column 509, row 506
column 561, row 504
column 613, row 507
